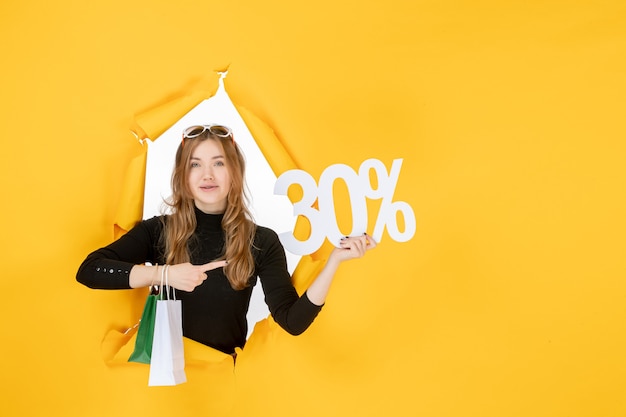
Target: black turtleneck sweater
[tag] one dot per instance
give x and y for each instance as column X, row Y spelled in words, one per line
column 214, row 313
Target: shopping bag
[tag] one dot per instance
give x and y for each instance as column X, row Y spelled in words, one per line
column 167, row 364
column 143, row 343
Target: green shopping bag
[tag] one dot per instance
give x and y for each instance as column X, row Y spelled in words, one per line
column 143, row 343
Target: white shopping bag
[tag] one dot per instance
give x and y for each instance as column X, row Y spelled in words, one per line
column 167, row 364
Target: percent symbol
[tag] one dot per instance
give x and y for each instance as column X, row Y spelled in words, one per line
column 389, row 210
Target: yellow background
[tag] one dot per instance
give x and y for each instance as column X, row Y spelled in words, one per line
column 509, row 300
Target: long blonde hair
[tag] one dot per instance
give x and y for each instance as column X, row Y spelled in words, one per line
column 238, row 228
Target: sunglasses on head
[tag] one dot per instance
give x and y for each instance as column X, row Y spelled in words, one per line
column 216, row 130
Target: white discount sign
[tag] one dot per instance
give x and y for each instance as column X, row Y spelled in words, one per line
column 323, row 220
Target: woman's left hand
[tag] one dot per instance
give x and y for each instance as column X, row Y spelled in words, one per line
column 353, row 247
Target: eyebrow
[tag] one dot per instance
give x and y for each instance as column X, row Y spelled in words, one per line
column 215, row 157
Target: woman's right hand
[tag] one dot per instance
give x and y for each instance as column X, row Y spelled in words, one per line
column 186, row 277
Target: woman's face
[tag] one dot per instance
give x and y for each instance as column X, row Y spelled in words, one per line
column 209, row 177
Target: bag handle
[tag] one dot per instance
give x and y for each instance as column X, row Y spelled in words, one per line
column 166, row 289
column 167, row 284
column 161, row 288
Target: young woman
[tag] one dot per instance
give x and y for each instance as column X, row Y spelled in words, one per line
column 214, row 250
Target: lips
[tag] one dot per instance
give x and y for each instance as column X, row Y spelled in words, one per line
column 208, row 187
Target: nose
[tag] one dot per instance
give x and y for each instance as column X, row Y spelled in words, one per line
column 208, row 173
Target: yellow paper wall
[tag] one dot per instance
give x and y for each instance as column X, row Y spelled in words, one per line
column 509, row 300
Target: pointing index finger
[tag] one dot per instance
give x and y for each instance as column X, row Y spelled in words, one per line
column 214, row 265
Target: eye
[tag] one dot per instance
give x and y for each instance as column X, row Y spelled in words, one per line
column 194, row 165
column 219, row 163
